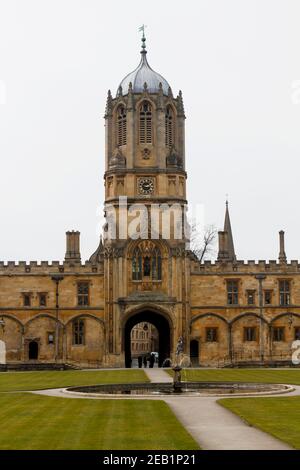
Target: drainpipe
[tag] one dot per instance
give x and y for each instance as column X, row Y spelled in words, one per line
column 261, row 278
column 57, row 280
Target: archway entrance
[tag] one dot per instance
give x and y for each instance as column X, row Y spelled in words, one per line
column 164, row 336
column 33, row 350
column 194, row 352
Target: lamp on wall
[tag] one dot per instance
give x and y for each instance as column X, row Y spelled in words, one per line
column 145, row 327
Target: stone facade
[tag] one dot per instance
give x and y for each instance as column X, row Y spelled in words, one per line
column 227, row 312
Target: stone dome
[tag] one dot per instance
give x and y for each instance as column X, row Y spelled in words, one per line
column 144, row 74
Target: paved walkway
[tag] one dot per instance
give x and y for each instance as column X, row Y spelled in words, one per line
column 158, row 375
column 211, row 425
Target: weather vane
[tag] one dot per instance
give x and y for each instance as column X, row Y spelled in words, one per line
column 142, row 28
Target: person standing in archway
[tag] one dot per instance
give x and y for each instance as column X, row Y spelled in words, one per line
column 145, row 361
column 151, row 360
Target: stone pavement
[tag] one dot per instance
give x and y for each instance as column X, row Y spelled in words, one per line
column 157, row 375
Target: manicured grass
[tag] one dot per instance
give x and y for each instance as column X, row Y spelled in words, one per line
column 277, row 416
column 289, row 376
column 41, row 422
column 10, row 381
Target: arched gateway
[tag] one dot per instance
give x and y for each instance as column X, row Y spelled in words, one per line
column 164, row 331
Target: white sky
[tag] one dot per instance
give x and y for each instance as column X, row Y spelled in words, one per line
column 236, row 62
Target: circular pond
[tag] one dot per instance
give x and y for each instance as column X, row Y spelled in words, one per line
column 185, row 389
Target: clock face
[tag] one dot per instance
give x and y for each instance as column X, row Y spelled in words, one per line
column 146, row 185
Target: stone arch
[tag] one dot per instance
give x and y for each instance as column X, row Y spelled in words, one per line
column 203, row 315
column 249, row 337
column 12, row 317
column 289, row 321
column 85, row 315
column 42, row 315
column 162, row 245
column 148, row 306
column 285, row 314
column 118, row 105
column 12, row 336
column 170, row 126
column 37, row 343
column 158, row 317
column 143, row 99
column 248, row 314
column 92, row 347
column 211, row 330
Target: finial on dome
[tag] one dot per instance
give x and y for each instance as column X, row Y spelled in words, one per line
column 142, row 28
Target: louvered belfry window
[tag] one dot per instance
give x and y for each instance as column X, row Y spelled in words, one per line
column 146, row 123
column 169, row 124
column 121, row 126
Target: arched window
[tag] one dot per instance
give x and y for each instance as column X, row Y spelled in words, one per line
column 121, row 126
column 169, row 127
column 156, row 265
column 146, row 263
column 146, row 123
column 78, row 331
column 137, row 265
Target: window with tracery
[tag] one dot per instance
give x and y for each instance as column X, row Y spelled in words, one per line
column 146, row 123
column 146, row 263
column 78, row 332
column 121, row 126
column 169, row 127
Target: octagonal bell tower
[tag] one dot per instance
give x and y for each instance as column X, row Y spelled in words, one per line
column 144, row 162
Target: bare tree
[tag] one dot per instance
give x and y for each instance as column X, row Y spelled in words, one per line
column 202, row 243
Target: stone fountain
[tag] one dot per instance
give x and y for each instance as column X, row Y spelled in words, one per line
column 177, row 384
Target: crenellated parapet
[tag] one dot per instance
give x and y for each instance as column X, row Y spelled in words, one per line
column 48, row 267
column 245, row 267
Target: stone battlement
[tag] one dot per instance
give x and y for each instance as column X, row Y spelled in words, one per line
column 241, row 266
column 48, row 267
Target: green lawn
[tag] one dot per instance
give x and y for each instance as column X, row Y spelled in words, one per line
column 39, row 422
column 277, row 416
column 10, row 381
column 288, row 376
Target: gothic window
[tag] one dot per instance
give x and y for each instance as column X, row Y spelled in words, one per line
column 211, row 335
column 249, row 333
column 42, row 299
column 284, row 292
column 121, row 126
column 278, row 333
column 27, row 300
column 169, row 127
column 268, row 297
column 146, row 263
column 145, row 123
column 83, row 294
column 251, row 297
column 137, row 265
column 147, row 266
column 232, row 292
column 78, row 332
column 51, row 337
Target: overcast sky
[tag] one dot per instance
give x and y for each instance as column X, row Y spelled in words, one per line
column 237, row 63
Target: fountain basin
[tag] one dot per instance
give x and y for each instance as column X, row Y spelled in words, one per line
column 200, row 389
